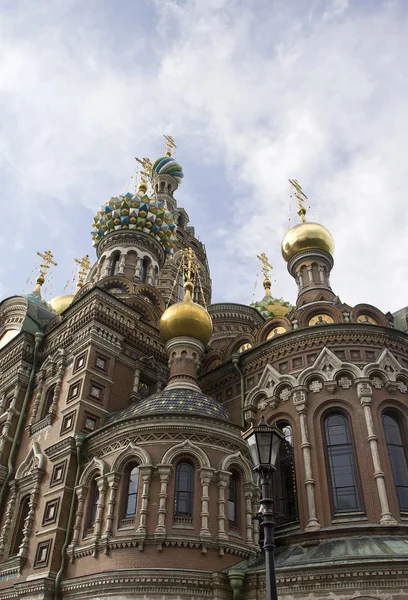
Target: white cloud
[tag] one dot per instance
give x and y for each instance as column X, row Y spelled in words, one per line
column 260, row 91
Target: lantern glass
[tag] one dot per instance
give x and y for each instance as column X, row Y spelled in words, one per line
column 253, row 448
column 264, row 440
column 263, row 444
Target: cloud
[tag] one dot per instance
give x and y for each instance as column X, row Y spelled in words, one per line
column 253, row 92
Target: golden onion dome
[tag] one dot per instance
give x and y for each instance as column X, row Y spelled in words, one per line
column 61, row 303
column 186, row 318
column 306, row 236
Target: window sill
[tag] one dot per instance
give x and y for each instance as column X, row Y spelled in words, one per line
column 182, row 526
column 126, row 524
column 347, row 517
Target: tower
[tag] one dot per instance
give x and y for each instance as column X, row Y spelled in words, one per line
column 308, row 250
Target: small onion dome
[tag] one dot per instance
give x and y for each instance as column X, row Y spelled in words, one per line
column 166, row 165
column 306, row 236
column 272, row 307
column 186, row 318
column 61, row 303
column 137, row 212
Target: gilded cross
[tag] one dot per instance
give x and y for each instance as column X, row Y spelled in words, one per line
column 169, row 144
column 146, row 167
column 84, row 266
column 301, row 197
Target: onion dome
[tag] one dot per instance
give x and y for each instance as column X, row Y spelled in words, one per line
column 167, row 165
column 177, row 401
column 61, row 303
column 140, row 213
column 272, row 307
column 187, row 319
column 306, row 236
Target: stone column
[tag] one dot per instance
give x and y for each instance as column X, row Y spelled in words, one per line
column 107, row 266
column 102, row 484
column 28, row 523
column 300, row 401
column 122, row 261
column 38, row 396
column 310, row 274
column 137, row 268
column 206, row 474
column 164, row 472
column 113, row 482
column 9, row 514
column 80, row 491
column 223, row 479
column 146, row 475
column 364, row 392
column 255, row 522
column 249, row 494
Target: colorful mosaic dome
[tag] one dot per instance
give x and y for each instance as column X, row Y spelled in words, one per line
column 167, row 165
column 177, row 401
column 141, row 213
column 272, row 307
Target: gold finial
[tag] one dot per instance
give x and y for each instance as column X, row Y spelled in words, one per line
column 169, row 144
column 84, row 266
column 266, row 269
column 190, row 266
column 146, row 169
column 301, row 197
column 47, row 257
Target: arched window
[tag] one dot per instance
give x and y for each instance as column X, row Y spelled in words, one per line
column 394, row 436
column 342, row 471
column 48, row 401
column 143, row 269
column 19, row 531
column 232, row 500
column 94, row 504
column 184, row 490
column 115, row 263
column 132, row 490
column 284, row 479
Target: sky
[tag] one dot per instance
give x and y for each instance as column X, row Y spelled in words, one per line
column 253, row 91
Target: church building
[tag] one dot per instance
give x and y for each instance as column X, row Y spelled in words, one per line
column 123, row 471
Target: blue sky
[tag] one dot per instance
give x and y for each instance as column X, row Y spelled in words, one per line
column 253, row 91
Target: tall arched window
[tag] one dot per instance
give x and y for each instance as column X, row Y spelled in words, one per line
column 144, row 268
column 19, row 531
column 232, row 500
column 342, row 471
column 184, row 490
column 48, row 401
column 115, row 263
column 284, row 479
column 94, row 504
column 394, row 436
column 131, row 495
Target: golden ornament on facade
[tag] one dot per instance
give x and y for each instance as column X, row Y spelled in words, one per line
column 275, row 331
column 366, row 319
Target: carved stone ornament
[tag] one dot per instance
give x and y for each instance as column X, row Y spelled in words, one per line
column 364, row 389
column 345, row 383
column 402, row 387
column 377, row 382
column 299, row 397
column 285, row 394
column 262, row 404
column 315, row 386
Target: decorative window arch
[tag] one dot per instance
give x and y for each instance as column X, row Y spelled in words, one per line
column 343, row 478
column 184, row 489
column 284, row 478
column 395, row 437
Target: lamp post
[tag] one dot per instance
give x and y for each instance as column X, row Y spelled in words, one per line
column 263, row 443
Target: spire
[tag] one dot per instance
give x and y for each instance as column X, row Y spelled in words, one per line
column 146, row 170
column 266, row 269
column 47, row 256
column 301, row 197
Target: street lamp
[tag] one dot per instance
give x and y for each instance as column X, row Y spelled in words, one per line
column 263, row 442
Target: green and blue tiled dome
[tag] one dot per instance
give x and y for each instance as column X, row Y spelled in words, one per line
column 141, row 213
column 177, row 401
column 167, row 165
